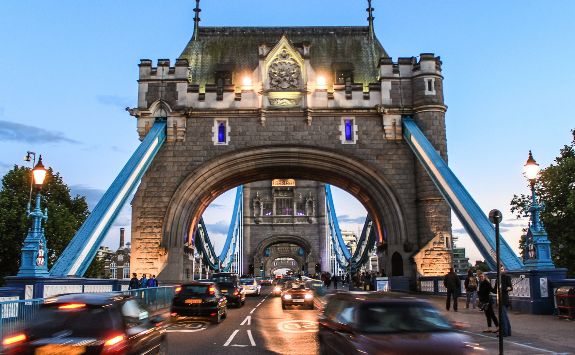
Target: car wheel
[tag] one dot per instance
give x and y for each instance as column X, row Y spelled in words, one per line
column 312, row 306
column 322, row 349
column 283, row 306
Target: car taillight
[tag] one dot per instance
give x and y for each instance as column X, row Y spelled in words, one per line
column 115, row 340
column 72, row 306
column 236, row 292
column 212, row 290
column 178, row 289
column 14, row 339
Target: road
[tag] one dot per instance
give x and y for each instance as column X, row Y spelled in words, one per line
column 262, row 327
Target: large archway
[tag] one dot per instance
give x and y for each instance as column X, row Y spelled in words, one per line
column 227, row 171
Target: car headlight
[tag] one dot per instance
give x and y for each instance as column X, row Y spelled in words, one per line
column 287, row 297
column 277, row 289
column 308, row 296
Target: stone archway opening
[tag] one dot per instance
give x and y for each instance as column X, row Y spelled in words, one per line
column 213, row 178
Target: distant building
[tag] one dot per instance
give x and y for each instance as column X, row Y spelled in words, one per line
column 350, row 240
column 116, row 264
column 460, row 261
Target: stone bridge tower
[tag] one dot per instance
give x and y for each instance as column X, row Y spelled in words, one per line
column 248, row 104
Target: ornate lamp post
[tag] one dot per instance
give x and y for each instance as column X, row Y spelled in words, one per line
column 538, row 246
column 34, row 252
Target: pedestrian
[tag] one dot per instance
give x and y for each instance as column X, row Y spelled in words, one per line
column 485, row 303
column 470, row 289
column 334, row 280
column 506, row 286
column 367, row 282
column 152, row 282
column 143, row 281
column 452, row 284
column 134, row 282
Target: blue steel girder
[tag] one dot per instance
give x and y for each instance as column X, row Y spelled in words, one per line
column 83, row 247
column 206, row 249
column 342, row 255
column 469, row 213
column 233, row 232
column 364, row 245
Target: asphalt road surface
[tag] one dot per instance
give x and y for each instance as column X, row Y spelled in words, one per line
column 262, row 327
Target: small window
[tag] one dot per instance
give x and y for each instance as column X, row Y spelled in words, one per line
column 222, row 132
column 348, row 130
column 344, row 77
column 429, row 86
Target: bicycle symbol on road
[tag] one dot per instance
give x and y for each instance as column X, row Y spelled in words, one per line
column 188, row 327
column 298, row 326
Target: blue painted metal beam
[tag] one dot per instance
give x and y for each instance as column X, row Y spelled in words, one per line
column 233, row 232
column 342, row 255
column 83, row 247
column 364, row 245
column 470, row 215
column 204, row 245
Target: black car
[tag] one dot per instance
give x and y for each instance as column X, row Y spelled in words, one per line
column 90, row 323
column 234, row 292
column 373, row 323
column 199, row 299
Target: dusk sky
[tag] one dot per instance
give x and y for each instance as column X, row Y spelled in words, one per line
column 69, row 68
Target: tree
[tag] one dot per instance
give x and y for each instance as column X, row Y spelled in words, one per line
column 65, row 216
column 556, row 189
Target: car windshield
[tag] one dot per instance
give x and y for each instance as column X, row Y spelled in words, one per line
column 225, row 285
column 298, row 286
column 77, row 322
column 247, row 281
column 400, row 317
column 195, row 290
column 224, row 278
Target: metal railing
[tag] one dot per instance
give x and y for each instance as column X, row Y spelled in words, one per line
column 15, row 314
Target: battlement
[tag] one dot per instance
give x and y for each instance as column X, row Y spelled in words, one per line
column 427, row 64
column 163, row 70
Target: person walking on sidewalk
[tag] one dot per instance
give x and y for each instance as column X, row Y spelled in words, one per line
column 334, row 280
column 506, row 286
column 485, row 302
column 134, row 282
column 452, row 284
column 470, row 289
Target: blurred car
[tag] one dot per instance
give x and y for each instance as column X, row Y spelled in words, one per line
column 279, row 286
column 91, row 323
column 199, row 299
column 229, row 284
column 251, row 286
column 363, row 323
column 297, row 295
column 234, row 292
column 266, row 281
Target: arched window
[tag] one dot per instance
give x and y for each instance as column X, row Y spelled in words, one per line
column 113, row 270
column 222, row 132
column 396, row 264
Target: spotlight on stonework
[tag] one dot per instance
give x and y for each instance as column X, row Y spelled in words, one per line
column 246, row 83
column 321, row 82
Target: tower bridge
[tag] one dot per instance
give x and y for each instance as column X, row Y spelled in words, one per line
column 306, row 107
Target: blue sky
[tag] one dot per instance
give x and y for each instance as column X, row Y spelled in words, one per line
column 69, row 68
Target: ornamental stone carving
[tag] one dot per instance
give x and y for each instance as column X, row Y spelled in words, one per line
column 284, row 72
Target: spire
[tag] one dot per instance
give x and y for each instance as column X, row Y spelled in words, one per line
column 370, row 19
column 197, row 10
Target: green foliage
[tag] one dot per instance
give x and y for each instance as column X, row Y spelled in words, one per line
column 556, row 189
column 96, row 269
column 65, row 216
column 481, row 266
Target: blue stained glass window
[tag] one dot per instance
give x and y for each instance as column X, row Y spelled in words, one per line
column 222, row 132
column 348, row 130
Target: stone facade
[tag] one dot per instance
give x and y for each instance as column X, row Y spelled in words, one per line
column 284, row 222
column 336, row 119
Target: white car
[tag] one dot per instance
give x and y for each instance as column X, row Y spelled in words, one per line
column 251, row 286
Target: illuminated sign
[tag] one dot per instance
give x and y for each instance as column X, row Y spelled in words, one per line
column 283, row 182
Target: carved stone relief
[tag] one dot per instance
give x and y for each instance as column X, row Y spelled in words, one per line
column 284, row 72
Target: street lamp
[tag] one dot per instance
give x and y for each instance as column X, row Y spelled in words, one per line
column 538, row 246
column 34, row 250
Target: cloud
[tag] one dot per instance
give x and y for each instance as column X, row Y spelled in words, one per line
column 220, row 227
column 217, row 206
column 344, row 218
column 92, row 195
column 10, row 131
column 113, row 100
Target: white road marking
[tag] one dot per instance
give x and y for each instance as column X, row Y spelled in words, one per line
column 512, row 342
column 248, row 320
column 298, row 326
column 231, row 337
column 252, row 311
column 251, row 338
